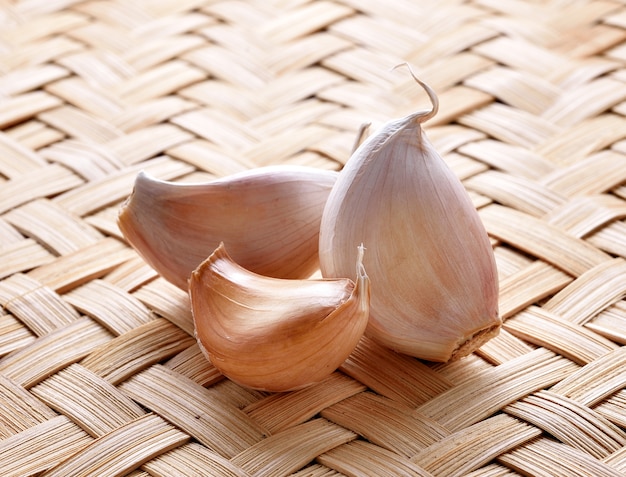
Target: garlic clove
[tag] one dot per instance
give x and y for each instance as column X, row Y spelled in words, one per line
column 269, row 218
column 435, row 292
column 276, row 334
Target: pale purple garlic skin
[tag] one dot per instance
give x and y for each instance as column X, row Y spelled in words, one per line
column 430, row 261
column 268, row 217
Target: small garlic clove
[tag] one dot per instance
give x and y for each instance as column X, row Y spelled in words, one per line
column 276, row 334
column 435, row 293
column 269, row 218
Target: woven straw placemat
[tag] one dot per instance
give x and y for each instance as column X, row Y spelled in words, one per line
column 99, row 372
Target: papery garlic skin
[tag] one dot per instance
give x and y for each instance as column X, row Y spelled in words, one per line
column 269, row 218
column 433, row 272
column 276, row 334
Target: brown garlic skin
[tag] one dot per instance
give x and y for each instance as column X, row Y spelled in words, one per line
column 433, row 273
column 269, row 218
column 275, row 334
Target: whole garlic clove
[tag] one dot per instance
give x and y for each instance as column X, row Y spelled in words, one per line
column 276, row 334
column 435, row 286
column 269, row 218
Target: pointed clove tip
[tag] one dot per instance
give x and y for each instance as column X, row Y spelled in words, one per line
column 434, row 100
column 360, row 268
column 362, row 281
column 141, row 179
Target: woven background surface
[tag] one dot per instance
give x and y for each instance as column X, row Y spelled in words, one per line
column 99, row 372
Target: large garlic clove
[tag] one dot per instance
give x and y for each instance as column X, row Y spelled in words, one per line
column 269, row 218
column 435, row 288
column 275, row 334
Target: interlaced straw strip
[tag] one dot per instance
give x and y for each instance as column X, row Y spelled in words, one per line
column 403, row 431
column 78, row 393
column 119, row 311
column 193, row 459
column 25, row 106
column 53, row 352
column 280, row 411
column 169, row 302
column 617, row 460
column 503, row 348
column 612, row 408
column 119, row 358
column 194, row 409
column 292, row 448
column 510, row 125
column 41, row 446
column 23, row 255
column 517, row 192
column 540, row 239
column 360, row 457
column 529, row 285
column 17, row 159
column 581, row 216
column 131, row 274
column 71, row 270
column 592, row 292
column 41, row 182
column 413, row 384
column 542, row 328
column 123, row 449
column 576, row 143
column 610, row 238
column 497, row 387
column 192, row 364
column 60, row 231
column 570, row 422
column 515, row 160
column 545, row 455
column 23, row 410
column 576, row 180
column 588, row 388
column 14, row 334
column 474, row 446
column 492, row 470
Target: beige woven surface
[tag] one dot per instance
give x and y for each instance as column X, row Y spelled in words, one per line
column 99, row 372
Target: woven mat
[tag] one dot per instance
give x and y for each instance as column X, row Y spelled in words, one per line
column 99, row 371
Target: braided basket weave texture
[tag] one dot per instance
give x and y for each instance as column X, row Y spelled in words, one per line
column 100, row 374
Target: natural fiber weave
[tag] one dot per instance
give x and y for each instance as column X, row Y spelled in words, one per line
column 99, row 372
